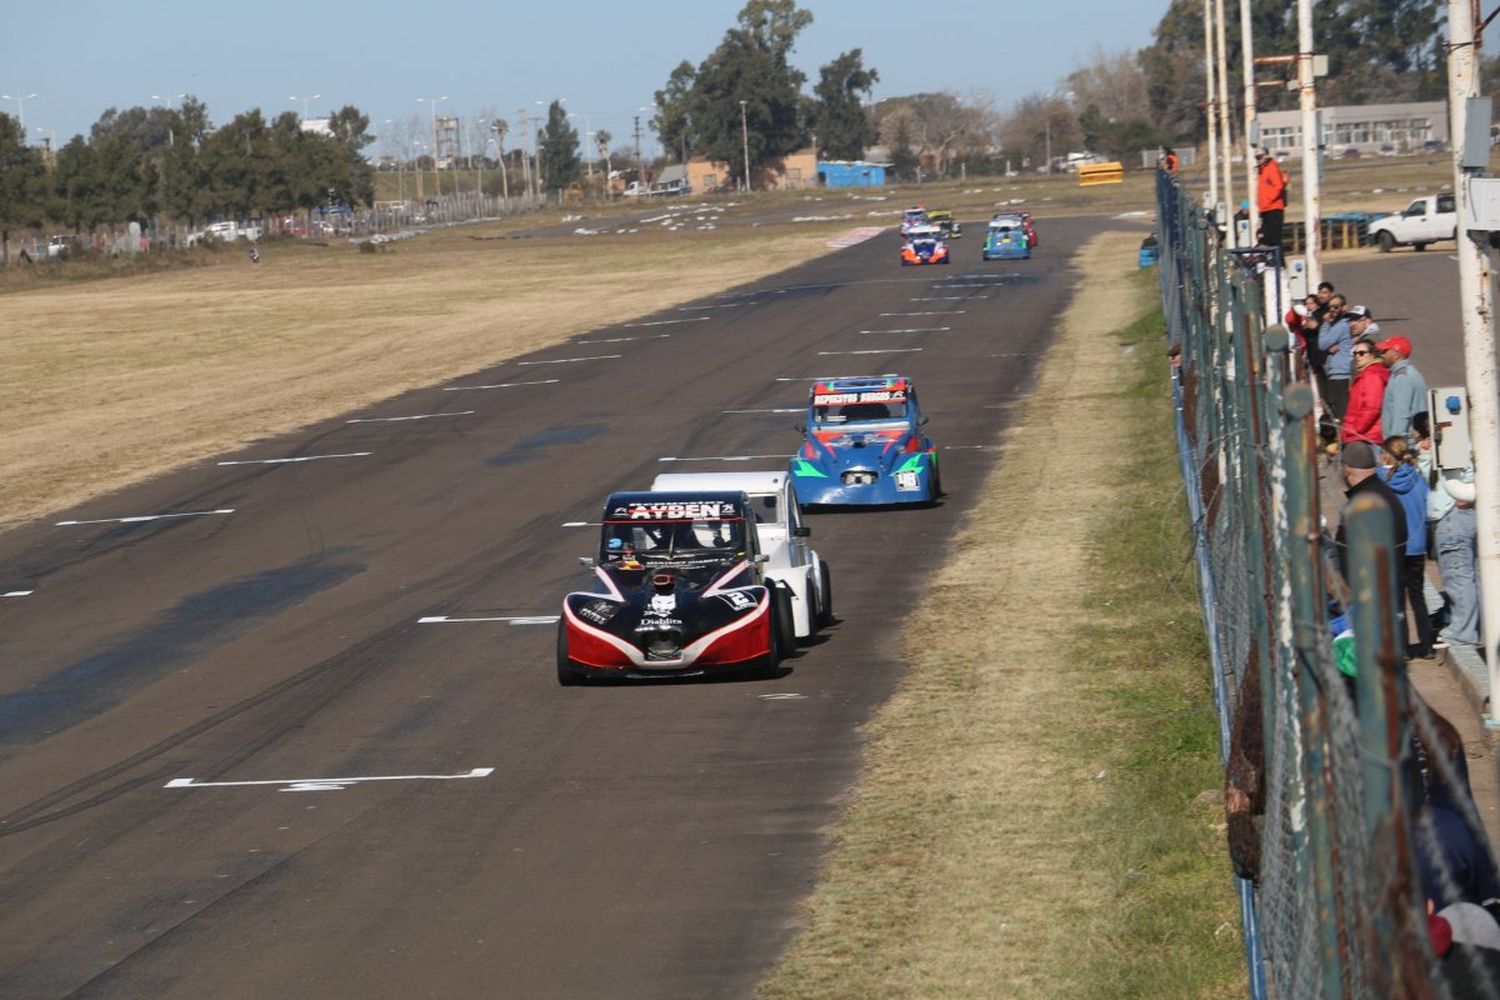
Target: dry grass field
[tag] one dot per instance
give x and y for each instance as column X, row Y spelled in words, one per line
column 106, row 382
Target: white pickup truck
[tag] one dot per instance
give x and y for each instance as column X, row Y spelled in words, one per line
column 1424, row 221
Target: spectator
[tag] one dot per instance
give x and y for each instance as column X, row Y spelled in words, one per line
column 1399, row 469
column 1456, row 536
column 1366, row 392
column 1270, row 193
column 1357, row 465
column 1335, row 339
column 1405, row 393
column 1362, row 323
column 1311, row 323
column 1169, row 160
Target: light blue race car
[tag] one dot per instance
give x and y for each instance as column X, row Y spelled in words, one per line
column 863, row 444
column 1006, row 239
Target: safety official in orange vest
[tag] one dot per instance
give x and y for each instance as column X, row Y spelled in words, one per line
column 1169, row 160
column 1270, row 196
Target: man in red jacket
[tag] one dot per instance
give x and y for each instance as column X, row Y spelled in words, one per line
column 1362, row 418
column 1270, row 194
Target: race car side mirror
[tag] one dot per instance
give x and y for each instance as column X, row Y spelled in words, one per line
column 761, row 557
column 802, row 531
column 586, row 561
column 800, row 427
column 923, row 421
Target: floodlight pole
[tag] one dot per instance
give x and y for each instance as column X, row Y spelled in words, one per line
column 20, row 100
column 1312, row 165
column 1210, row 108
column 745, row 140
column 1226, row 144
column 1477, row 311
column 1252, row 131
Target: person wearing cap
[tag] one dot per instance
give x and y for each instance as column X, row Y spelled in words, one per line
column 1270, row 196
column 1366, row 395
column 1362, row 323
column 1357, row 464
column 1405, row 393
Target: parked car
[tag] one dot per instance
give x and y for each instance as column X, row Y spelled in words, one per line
column 1426, row 220
column 1350, row 153
column 63, row 245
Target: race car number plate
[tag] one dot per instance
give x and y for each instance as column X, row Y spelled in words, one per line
column 906, row 481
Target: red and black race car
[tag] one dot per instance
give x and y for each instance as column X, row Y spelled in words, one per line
column 679, row 590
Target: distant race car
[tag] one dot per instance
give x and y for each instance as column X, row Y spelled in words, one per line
column 863, row 443
column 1005, row 239
column 944, row 220
column 924, row 245
column 680, row 590
column 914, row 216
column 783, row 538
column 1026, row 223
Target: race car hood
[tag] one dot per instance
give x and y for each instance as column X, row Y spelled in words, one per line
column 876, row 450
column 667, row 618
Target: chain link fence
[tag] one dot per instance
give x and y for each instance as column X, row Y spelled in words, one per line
column 1347, row 798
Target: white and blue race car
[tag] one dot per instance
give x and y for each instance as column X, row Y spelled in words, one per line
column 863, row 443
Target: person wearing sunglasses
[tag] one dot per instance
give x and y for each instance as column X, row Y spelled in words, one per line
column 1366, row 394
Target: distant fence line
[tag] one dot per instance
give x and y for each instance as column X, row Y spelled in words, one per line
column 1336, row 786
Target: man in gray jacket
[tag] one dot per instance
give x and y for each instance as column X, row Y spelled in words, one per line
column 1405, row 393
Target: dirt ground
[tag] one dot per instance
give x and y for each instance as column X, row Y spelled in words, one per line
column 108, row 382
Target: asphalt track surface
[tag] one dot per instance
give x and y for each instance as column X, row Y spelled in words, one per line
column 649, row 840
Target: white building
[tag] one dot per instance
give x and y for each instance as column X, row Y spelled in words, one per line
column 1369, row 128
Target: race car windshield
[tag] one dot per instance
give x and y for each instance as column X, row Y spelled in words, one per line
column 844, row 414
column 653, row 542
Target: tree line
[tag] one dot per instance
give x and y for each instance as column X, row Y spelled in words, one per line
column 139, row 163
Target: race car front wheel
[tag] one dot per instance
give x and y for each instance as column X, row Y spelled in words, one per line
column 782, row 620
column 825, row 590
column 567, row 676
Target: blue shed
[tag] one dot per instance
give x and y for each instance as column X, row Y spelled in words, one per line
column 850, row 173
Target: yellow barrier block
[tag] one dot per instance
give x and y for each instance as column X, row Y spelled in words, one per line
column 1090, row 174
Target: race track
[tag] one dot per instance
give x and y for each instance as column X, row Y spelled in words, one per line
column 649, row 841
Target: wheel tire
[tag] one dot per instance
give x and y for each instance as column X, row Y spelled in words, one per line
column 784, row 623
column 566, row 675
column 825, row 588
column 1386, row 241
column 937, row 482
column 1419, row 247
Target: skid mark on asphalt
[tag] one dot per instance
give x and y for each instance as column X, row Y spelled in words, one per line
column 536, row 444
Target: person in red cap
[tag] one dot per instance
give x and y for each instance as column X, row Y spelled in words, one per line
column 1366, row 395
column 1405, row 393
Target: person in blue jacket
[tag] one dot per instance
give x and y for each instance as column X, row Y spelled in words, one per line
column 1399, row 469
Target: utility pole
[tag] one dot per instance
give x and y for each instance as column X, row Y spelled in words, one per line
column 1226, row 132
column 536, row 149
column 640, row 164
column 500, row 155
column 1252, row 132
column 1312, row 166
column 1210, row 106
column 432, row 103
column 1474, row 276
column 521, row 145
column 745, row 140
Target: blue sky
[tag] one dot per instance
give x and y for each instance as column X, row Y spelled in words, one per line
column 606, row 58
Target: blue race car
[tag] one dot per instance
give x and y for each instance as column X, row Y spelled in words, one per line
column 1006, row 239
column 863, row 444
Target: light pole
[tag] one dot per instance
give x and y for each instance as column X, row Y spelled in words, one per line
column 20, row 100
column 304, row 100
column 432, row 103
column 479, row 135
column 170, row 100
column 745, row 141
column 498, row 127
